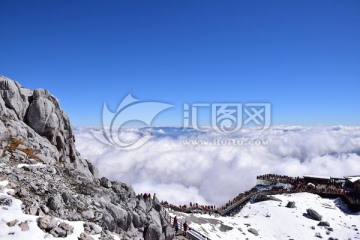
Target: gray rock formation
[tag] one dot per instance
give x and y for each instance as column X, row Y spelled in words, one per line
column 324, row 224
column 12, row 223
column 313, row 214
column 5, row 201
column 39, row 159
column 290, row 204
column 24, row 226
column 253, row 231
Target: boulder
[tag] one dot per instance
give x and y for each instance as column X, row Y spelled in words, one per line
column 324, row 224
column 58, row 232
column 105, row 182
column 168, row 233
column 66, row 227
column 12, row 223
column 24, row 226
column 55, row 202
column 14, row 98
column 46, row 223
column 92, row 228
column 88, row 214
column 313, row 214
column 5, row 201
column 290, row 204
column 152, row 232
column 122, row 218
column 253, row 231
column 85, row 236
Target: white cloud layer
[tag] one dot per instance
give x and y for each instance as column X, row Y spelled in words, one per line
column 181, row 171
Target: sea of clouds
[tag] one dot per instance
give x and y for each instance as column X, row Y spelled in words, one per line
column 211, row 168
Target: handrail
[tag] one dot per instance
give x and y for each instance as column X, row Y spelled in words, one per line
column 194, row 235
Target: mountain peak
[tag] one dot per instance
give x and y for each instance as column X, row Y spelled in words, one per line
column 40, row 162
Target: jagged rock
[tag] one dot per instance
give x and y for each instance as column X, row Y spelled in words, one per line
column 88, row 214
column 43, row 116
column 46, row 223
column 105, row 182
column 290, row 204
column 137, row 222
column 24, row 226
column 122, row 216
column 5, row 201
column 58, row 232
column 12, row 223
column 55, row 202
column 33, row 209
column 64, row 184
column 155, row 217
column 157, row 206
column 168, row 233
column 45, row 209
column 124, row 191
column 85, row 236
column 253, row 231
column 14, row 98
column 313, row 214
column 7, row 171
column 152, row 232
column 106, row 236
column 66, row 227
column 92, row 228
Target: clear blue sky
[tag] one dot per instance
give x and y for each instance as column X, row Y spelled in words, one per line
column 303, row 56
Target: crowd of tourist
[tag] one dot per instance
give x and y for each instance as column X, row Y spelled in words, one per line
column 192, row 207
column 306, row 184
column 275, row 178
column 146, row 196
column 298, row 184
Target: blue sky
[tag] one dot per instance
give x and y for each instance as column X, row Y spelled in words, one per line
column 301, row 56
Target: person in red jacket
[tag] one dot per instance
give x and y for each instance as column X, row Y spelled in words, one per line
column 185, row 227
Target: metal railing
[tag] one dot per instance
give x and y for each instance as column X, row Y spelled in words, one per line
column 190, row 233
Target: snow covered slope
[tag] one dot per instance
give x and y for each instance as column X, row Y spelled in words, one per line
column 25, row 226
column 273, row 220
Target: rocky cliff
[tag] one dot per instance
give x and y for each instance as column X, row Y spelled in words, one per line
column 39, row 159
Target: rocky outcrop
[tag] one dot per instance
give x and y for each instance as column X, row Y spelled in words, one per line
column 39, row 159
